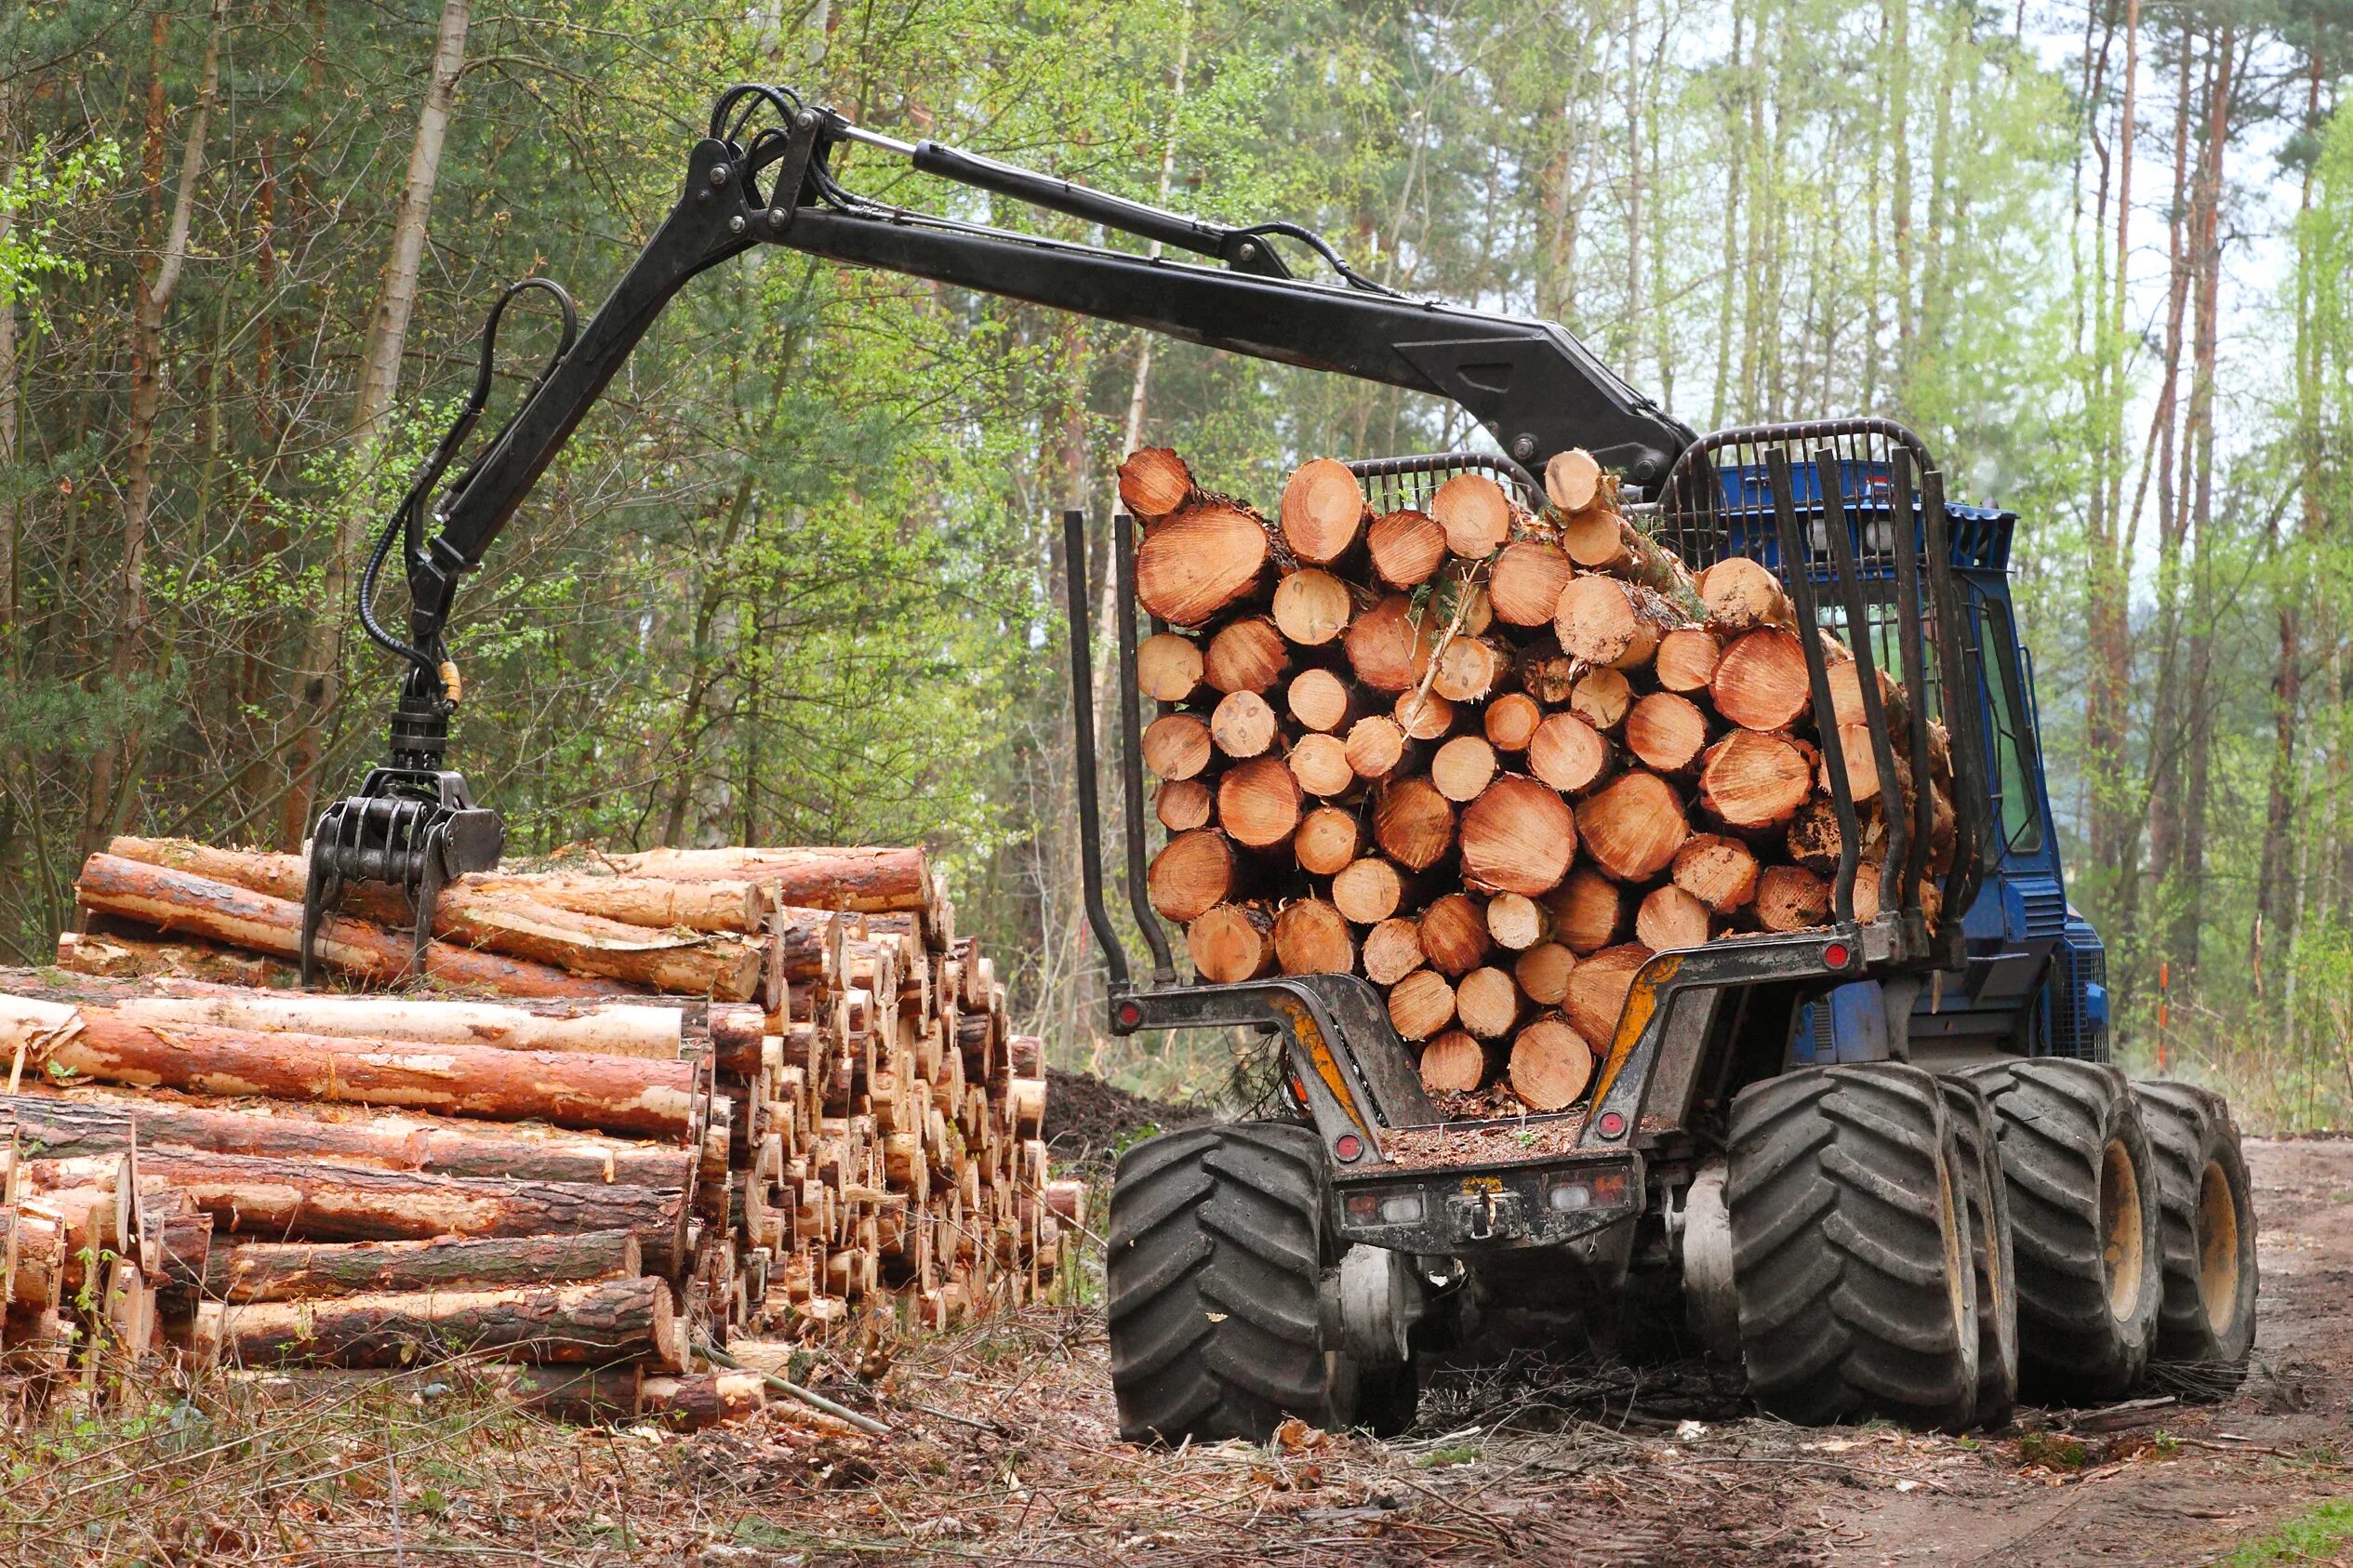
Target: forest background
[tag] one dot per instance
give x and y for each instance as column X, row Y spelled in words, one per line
column 795, row 581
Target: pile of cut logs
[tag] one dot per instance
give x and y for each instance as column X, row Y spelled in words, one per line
column 635, row 1104
column 1491, row 760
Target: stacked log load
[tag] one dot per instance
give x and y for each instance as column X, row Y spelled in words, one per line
column 537, row 1150
column 1488, row 758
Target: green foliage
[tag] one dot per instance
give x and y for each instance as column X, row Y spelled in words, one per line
column 2312, row 1536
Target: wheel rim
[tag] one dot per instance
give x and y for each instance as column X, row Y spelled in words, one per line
column 2120, row 1230
column 2217, row 1248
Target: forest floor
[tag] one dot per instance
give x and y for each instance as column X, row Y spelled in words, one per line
column 1004, row 1449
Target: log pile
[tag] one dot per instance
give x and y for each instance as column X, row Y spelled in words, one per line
column 1489, row 759
column 631, row 1105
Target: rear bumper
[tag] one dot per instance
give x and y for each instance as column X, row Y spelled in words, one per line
column 1455, row 1209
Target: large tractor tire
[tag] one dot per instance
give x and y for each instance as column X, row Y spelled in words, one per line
column 1977, row 1165
column 2083, row 1219
column 2207, row 1234
column 1218, row 1244
column 1851, row 1249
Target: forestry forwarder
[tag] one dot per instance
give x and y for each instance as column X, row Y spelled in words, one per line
column 1825, row 1141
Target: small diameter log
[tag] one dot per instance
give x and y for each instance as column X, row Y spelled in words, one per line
column 616, row 1320
column 1550, row 1064
column 702, row 1401
column 1423, row 716
column 1246, row 654
column 864, row 878
column 1258, row 803
column 1168, row 667
column 1597, row 991
column 1406, row 547
column 1323, row 510
column 1631, row 827
column 1321, row 700
column 1454, row 1063
column 1602, row 699
column 1231, row 942
column 116, row 956
column 1846, row 699
column 1487, row 1001
column 615, row 1028
column 1761, row 682
column 1191, row 872
column 1243, row 724
column 1572, row 480
column 1312, row 937
column 1392, row 951
column 1752, row 781
column 1320, row 763
column 1469, row 668
column 1743, row 595
column 1606, row 621
column 1413, row 823
column 1587, row 911
column 1386, row 648
column 1569, row 753
column 1327, row 840
column 1510, row 721
column 1462, row 768
column 1368, row 891
column 1475, row 514
column 1183, row 804
column 1667, row 733
column 1525, row 584
column 1791, row 898
column 1178, row 744
column 1454, row 934
column 1209, row 554
column 1862, row 766
column 1421, row 1004
column 1155, row 482
column 1686, row 660
column 1813, row 837
column 1516, row 922
column 1376, row 746
column 1720, row 872
column 1519, row 836
column 1670, row 918
column 311, row 1271
column 1543, row 972
column 1313, row 607
column 1545, row 672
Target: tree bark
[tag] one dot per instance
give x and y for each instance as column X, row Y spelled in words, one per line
column 619, row 1320
column 251, row 1271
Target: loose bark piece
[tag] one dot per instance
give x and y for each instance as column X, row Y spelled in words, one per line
column 1327, row 840
column 1525, row 583
column 1168, row 667
column 1243, row 724
column 1258, row 803
column 1311, row 607
column 1515, row 921
column 1761, row 682
column 1550, row 1064
column 1602, row 697
column 1312, row 937
column 1245, row 655
column 247, row 1271
column 1323, row 510
column 1791, row 898
column 1463, row 767
column 1207, row 555
column 1631, row 827
column 1597, row 991
column 1720, row 872
column 1320, row 763
column 1519, row 836
column 1191, row 872
column 1454, row 934
column 1572, row 480
column 1392, row 951
column 1468, row 669
column 1487, row 1001
column 1752, row 780
column 1587, row 911
column 1155, row 482
column 1423, row 716
column 1368, row 890
column 1454, row 1063
column 1375, row 747
column 1665, row 732
column 1406, row 548
column 1606, row 621
column 1670, row 918
column 1319, row 699
column 1386, row 648
column 1413, row 823
column 1182, row 804
column 1543, row 972
column 1475, row 514
column 1510, row 722
column 1686, row 660
column 613, row 1320
column 1232, row 942
column 1178, row 744
column 1569, row 753
column 1743, row 595
column 1421, row 1004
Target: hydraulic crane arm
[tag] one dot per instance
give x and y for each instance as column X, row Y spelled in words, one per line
column 1535, row 389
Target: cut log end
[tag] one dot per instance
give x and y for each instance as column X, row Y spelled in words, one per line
column 1551, row 1064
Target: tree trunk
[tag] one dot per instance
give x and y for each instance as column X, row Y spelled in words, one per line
column 253, row 1271
column 619, row 1320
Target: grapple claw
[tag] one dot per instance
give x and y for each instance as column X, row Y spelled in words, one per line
column 411, row 829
